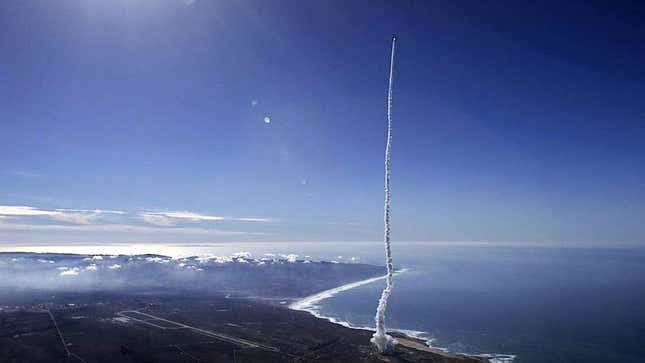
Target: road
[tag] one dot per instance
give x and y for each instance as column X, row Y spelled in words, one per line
column 60, row 335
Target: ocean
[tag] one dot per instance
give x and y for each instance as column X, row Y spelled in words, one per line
column 519, row 303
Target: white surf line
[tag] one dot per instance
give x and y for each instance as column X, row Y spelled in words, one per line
column 309, row 302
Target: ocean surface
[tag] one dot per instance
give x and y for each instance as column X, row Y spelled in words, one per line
column 535, row 304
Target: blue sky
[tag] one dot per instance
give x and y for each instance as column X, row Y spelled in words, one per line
column 145, row 121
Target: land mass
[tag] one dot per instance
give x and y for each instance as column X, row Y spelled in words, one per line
column 185, row 324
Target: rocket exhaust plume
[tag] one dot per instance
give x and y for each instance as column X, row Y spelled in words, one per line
column 383, row 342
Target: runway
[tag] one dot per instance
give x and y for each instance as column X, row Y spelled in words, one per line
column 165, row 324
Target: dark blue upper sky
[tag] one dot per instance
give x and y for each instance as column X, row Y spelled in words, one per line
column 512, row 121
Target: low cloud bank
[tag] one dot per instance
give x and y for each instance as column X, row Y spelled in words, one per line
column 282, row 275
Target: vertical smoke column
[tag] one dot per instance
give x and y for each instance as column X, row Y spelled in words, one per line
column 384, row 342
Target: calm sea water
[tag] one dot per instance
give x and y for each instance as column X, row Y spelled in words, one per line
column 542, row 304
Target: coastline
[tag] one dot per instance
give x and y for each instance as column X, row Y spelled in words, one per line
column 310, row 304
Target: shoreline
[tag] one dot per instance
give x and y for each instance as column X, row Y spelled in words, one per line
column 310, row 305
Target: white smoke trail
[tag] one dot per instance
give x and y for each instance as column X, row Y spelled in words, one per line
column 381, row 339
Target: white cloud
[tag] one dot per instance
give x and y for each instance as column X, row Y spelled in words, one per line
column 33, row 219
column 86, row 216
column 290, row 257
column 216, row 259
column 242, row 254
column 97, row 211
column 91, row 267
column 157, row 259
column 191, row 216
column 82, row 216
column 70, row 272
column 78, row 216
column 156, row 219
column 21, row 210
column 166, row 218
column 122, row 228
column 116, row 266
